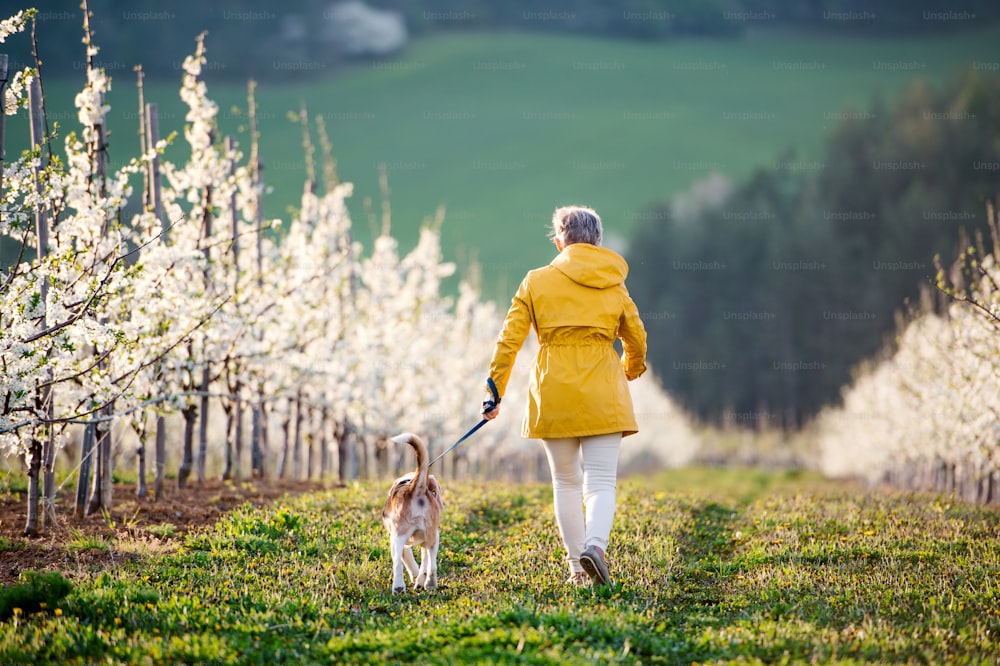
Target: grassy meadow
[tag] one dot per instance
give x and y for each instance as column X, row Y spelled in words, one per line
column 712, row 566
column 501, row 128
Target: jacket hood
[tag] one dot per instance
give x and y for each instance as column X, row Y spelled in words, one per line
column 591, row 266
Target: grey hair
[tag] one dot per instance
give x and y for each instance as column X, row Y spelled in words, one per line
column 576, row 224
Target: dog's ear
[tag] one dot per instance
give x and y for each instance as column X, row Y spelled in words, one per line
column 434, row 488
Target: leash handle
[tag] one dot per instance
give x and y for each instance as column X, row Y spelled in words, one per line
column 490, row 405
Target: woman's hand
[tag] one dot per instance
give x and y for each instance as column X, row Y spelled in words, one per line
column 489, row 411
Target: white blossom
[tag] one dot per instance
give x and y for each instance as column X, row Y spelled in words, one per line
column 934, row 402
column 12, row 25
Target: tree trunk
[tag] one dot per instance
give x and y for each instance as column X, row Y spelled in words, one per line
column 190, row 413
column 286, row 427
column 258, row 438
column 41, row 435
column 154, row 191
column 383, row 465
column 203, row 424
column 100, row 491
column 311, row 441
column 107, row 483
column 234, row 425
column 238, row 436
column 227, row 467
column 152, row 136
column 231, row 407
column 83, row 481
column 48, row 462
column 207, row 283
column 141, row 491
column 297, row 439
column 265, row 437
column 34, row 468
column 161, row 456
column 339, row 437
column 361, row 445
column 324, row 442
column 94, row 499
column 255, row 433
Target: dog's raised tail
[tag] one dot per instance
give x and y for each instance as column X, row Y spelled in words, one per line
column 419, row 484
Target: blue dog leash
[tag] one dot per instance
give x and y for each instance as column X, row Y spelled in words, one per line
column 488, row 406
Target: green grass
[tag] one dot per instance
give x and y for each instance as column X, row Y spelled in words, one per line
column 712, row 566
column 7, row 543
column 83, row 542
column 37, row 594
column 13, row 484
column 501, row 128
column 163, row 530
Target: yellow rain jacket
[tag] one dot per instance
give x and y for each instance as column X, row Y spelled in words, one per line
column 578, row 305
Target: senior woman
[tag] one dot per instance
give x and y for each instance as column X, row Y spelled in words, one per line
column 579, row 403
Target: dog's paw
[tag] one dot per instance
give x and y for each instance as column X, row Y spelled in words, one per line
column 421, row 580
column 431, row 583
column 399, row 590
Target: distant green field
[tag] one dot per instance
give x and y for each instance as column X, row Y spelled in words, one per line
column 501, row 128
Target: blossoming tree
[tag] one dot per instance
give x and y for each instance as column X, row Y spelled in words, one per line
column 194, row 303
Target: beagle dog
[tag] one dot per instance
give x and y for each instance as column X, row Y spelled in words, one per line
column 412, row 515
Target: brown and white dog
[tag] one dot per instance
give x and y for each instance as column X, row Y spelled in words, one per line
column 412, row 514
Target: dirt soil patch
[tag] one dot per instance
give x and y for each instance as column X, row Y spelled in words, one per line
column 132, row 529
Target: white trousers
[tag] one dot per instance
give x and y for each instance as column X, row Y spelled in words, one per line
column 584, row 474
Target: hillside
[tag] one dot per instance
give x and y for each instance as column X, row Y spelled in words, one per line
column 500, row 128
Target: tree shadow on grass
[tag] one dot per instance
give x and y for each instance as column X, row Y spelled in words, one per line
column 696, row 598
column 705, row 551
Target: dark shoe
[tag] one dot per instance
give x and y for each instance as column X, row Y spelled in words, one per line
column 592, row 561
